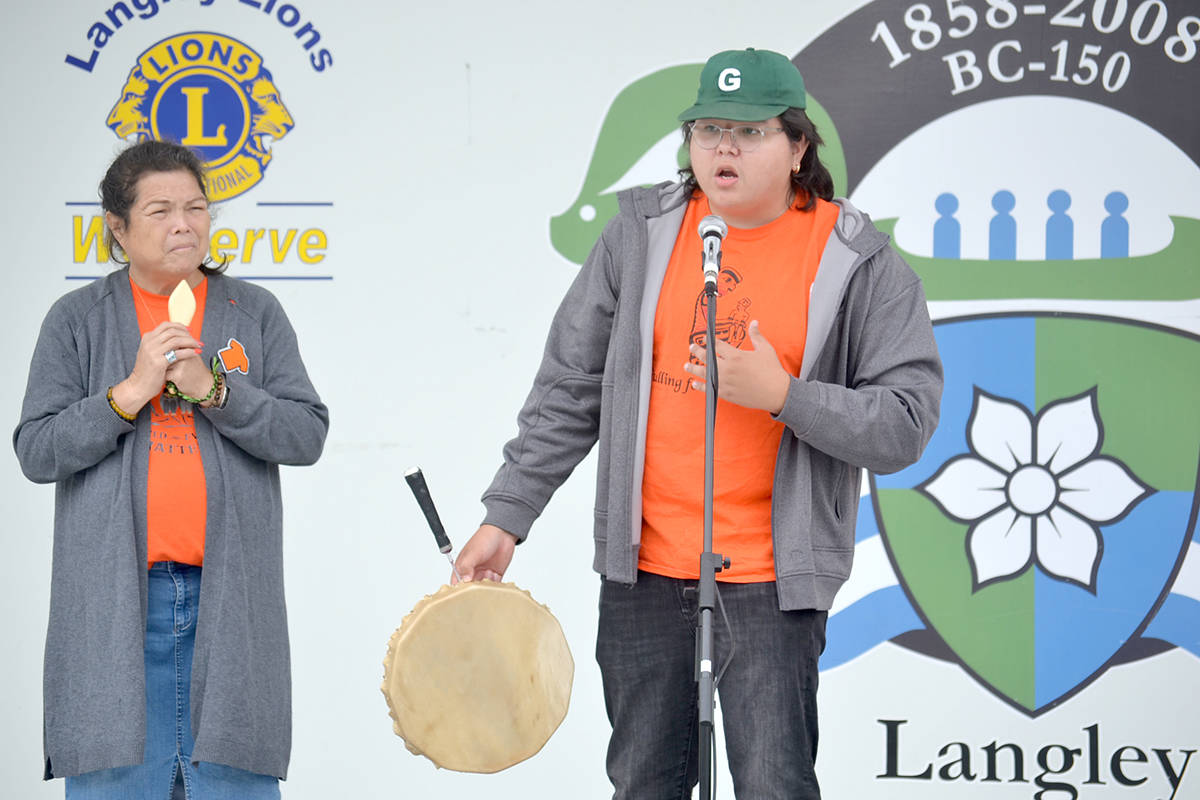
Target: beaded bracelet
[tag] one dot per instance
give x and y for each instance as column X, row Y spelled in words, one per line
column 171, row 390
column 223, row 395
column 125, row 415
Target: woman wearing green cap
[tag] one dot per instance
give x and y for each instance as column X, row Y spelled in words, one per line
column 827, row 365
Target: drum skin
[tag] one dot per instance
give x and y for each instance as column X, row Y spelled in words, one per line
column 477, row 677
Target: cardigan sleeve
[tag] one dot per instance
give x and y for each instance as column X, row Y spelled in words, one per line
column 63, row 429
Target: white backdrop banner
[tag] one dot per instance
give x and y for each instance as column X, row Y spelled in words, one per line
column 419, row 184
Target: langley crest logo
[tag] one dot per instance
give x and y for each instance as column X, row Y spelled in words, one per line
column 209, row 92
column 1039, row 548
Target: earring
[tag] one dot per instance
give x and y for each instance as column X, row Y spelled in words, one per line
column 795, row 169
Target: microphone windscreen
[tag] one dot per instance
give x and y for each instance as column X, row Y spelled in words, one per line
column 712, row 225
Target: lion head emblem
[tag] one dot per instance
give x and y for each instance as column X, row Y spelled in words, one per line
column 270, row 118
column 128, row 117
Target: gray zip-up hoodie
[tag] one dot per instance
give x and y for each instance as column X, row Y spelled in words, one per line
column 867, row 395
column 95, row 692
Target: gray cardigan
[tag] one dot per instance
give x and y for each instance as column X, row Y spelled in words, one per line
column 94, row 689
column 867, row 395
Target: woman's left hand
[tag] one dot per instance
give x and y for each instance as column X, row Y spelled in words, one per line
column 751, row 378
column 190, row 375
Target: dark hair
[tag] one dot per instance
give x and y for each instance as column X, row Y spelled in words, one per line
column 118, row 188
column 812, row 181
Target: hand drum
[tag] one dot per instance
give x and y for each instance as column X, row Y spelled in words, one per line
column 478, row 676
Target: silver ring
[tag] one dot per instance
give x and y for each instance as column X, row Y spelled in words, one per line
column 171, row 357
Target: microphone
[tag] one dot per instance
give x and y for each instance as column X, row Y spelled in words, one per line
column 712, row 231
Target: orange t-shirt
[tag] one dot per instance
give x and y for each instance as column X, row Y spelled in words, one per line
column 766, row 275
column 176, row 500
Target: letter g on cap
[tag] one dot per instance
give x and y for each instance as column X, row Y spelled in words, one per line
column 730, row 79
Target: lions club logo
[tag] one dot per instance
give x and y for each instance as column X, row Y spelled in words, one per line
column 209, row 92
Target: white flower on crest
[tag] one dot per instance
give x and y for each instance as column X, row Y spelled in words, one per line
column 1035, row 489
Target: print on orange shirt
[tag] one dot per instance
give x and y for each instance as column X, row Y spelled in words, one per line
column 173, row 432
column 233, row 357
column 731, row 327
column 732, row 324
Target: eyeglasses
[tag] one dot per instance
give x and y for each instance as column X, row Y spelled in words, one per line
column 746, row 138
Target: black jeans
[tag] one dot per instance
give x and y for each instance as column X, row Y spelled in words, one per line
column 768, row 694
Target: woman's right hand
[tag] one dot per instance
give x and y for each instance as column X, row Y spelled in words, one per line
column 149, row 373
column 486, row 555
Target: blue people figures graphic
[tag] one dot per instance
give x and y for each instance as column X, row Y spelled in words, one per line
column 1060, row 228
column 947, row 233
column 1002, row 232
column 1114, row 231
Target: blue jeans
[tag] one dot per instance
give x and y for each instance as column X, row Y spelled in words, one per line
column 646, row 648
column 172, row 606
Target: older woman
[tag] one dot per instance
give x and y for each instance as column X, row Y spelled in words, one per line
column 827, row 365
column 167, row 651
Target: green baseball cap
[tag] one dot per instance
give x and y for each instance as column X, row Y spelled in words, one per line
column 747, row 85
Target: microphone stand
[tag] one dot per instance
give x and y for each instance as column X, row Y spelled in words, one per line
column 710, row 563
